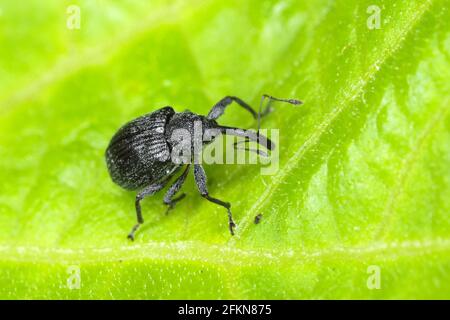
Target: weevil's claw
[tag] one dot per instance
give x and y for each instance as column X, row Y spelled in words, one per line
column 171, row 204
column 169, row 207
column 232, row 225
column 133, row 231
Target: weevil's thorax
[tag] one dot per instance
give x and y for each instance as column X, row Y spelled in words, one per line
column 189, row 130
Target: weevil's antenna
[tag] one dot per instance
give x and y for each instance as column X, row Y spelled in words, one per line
column 257, row 151
column 267, row 110
column 260, row 139
column 249, row 135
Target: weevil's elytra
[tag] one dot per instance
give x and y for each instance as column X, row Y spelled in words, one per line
column 139, row 154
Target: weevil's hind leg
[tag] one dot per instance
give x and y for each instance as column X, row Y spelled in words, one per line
column 200, row 180
column 219, row 108
column 148, row 191
column 174, row 188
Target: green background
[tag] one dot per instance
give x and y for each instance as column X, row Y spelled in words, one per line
column 364, row 176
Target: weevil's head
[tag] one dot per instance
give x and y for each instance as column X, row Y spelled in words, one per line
column 187, row 132
column 197, row 127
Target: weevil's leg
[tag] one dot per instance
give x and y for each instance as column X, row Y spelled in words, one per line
column 200, row 180
column 219, row 108
column 148, row 191
column 174, row 188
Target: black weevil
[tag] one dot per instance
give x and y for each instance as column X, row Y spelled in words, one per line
column 139, row 154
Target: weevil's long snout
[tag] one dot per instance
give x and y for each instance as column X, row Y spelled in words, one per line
column 250, row 135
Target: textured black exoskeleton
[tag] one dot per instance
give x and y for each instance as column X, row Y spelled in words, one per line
column 139, row 155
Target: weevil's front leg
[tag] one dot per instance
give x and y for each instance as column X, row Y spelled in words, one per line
column 174, row 188
column 219, row 108
column 148, row 191
column 200, row 180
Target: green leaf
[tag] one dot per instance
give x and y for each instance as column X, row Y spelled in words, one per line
column 363, row 183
